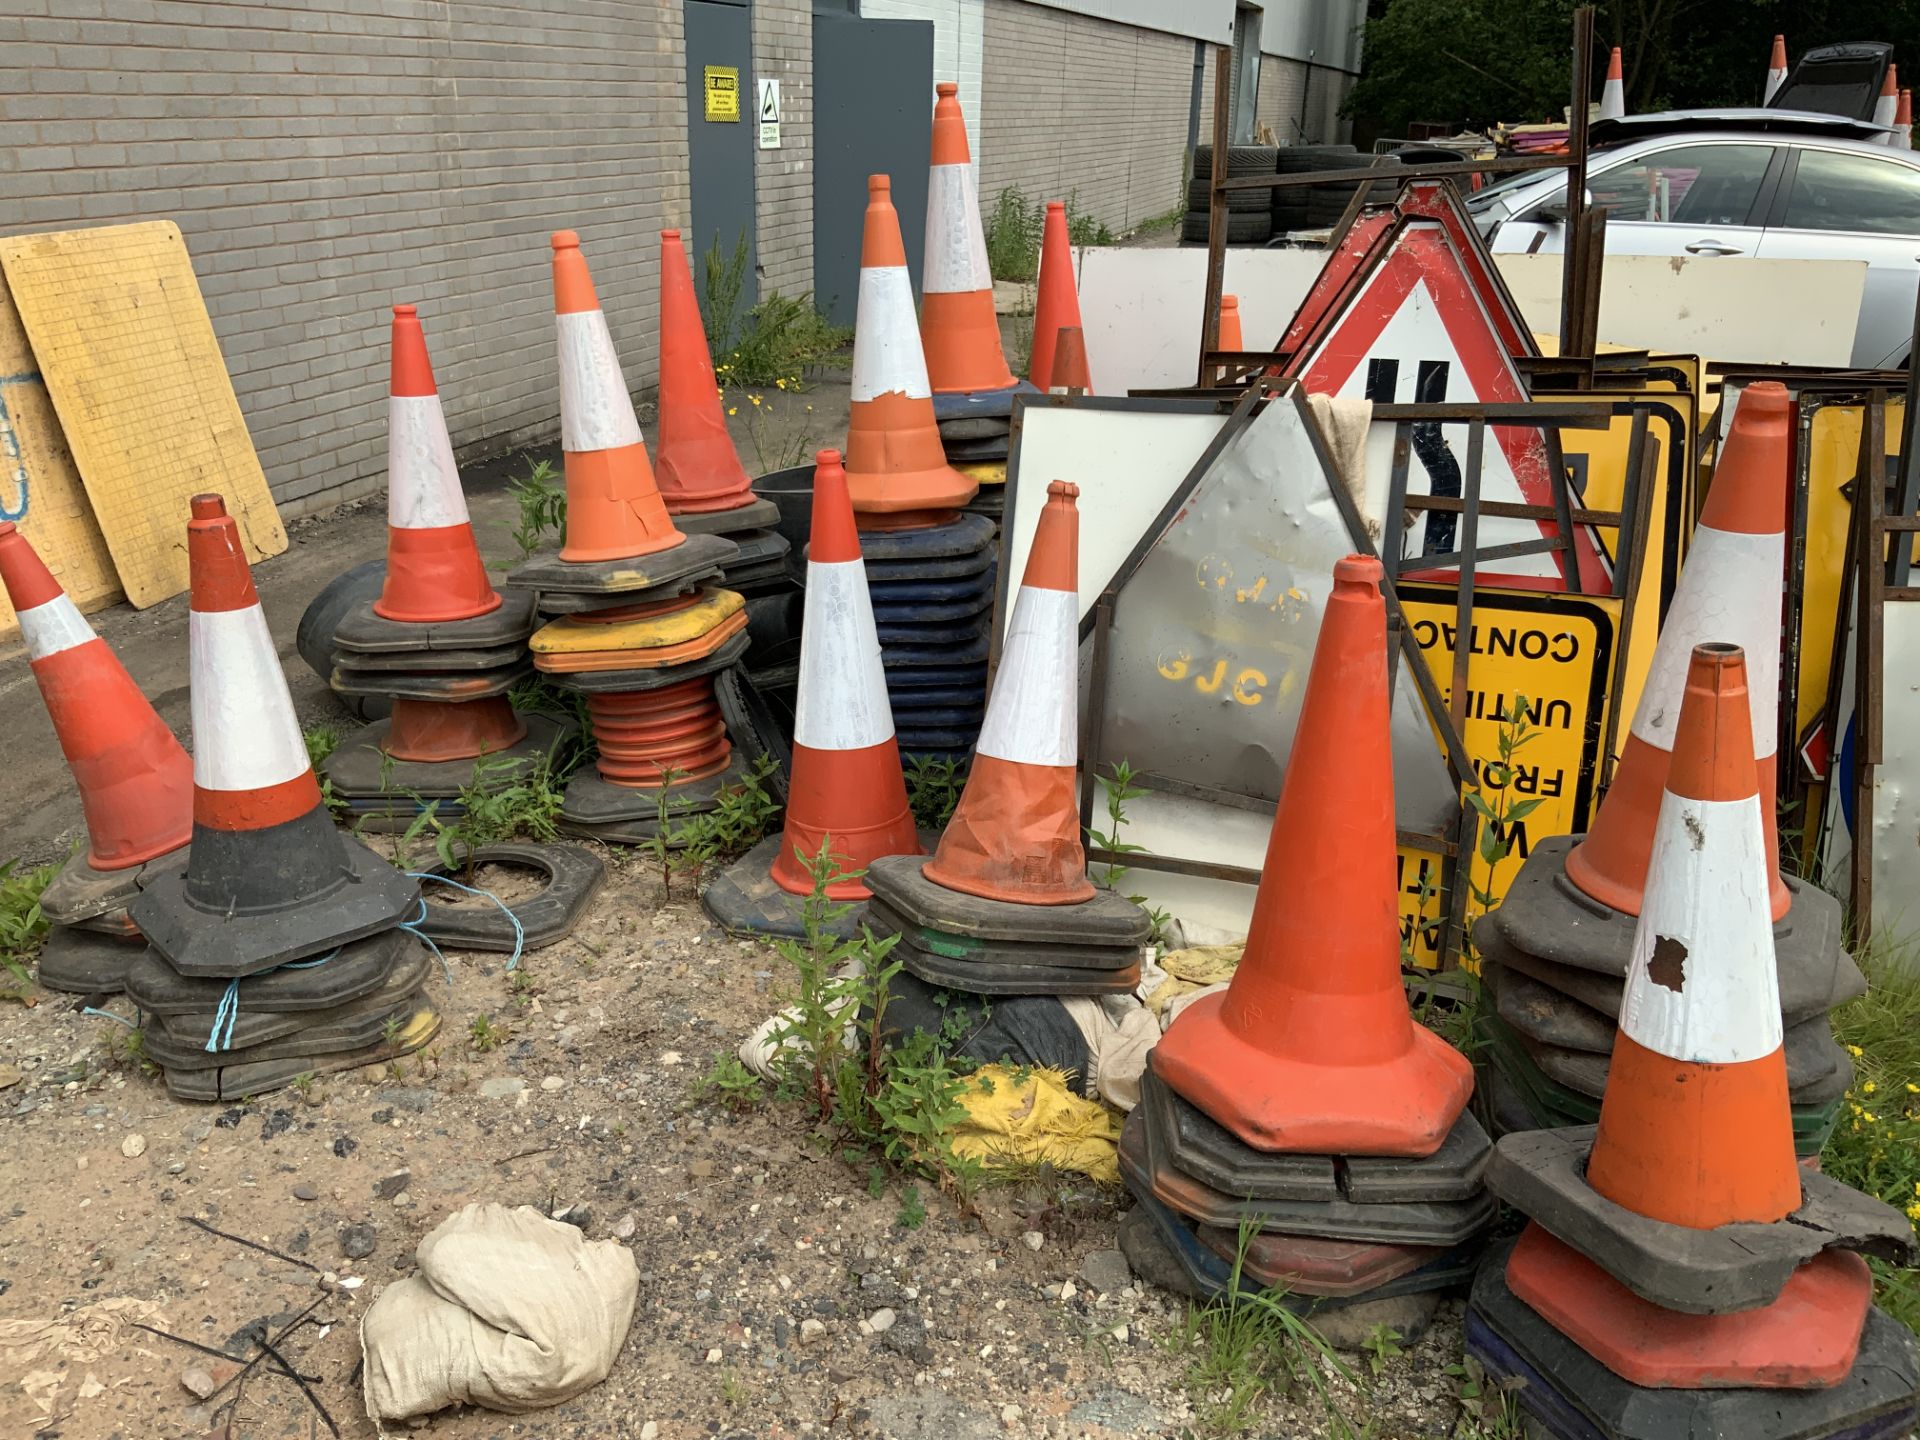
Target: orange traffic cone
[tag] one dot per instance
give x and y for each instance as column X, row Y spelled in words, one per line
column 1016, row 833
column 697, row 466
column 1776, row 69
column 1903, row 122
column 1230, row 338
column 434, row 570
column 1070, row 375
column 1312, row 1049
column 1695, row 1128
column 957, row 320
column 897, row 472
column 136, row 783
column 1613, row 94
column 847, row 789
column 1729, row 590
column 1058, row 304
column 614, row 510
column 1887, row 106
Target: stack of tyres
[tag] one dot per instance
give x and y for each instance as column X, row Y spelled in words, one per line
column 1248, row 219
column 282, row 948
column 1304, row 1102
column 438, row 642
column 135, row 782
column 1681, row 1274
column 1561, row 944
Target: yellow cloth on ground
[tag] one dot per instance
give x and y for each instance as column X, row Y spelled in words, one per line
column 1191, row 969
column 1036, row 1118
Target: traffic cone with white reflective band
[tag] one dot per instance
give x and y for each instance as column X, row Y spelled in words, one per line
column 1886, row 107
column 1729, row 590
column 847, row 790
column 1070, row 375
column 696, row 464
column 1057, row 305
column 1613, row 94
column 1015, row 834
column 1776, row 69
column 1312, row 1048
column 135, row 781
column 896, row 468
column 614, row 509
column 1903, row 122
column 1695, row 1129
column 434, row 570
column 1230, row 338
column 958, row 324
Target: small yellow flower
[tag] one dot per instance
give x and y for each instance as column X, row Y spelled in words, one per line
column 809, row 409
column 1868, row 1088
column 733, row 409
column 1871, row 1118
column 754, row 398
column 1913, row 1089
column 1855, row 1051
column 1913, row 1212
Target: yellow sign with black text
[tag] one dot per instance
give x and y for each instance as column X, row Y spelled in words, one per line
column 1535, row 762
column 722, row 89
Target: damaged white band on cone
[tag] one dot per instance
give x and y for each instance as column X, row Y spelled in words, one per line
column 887, row 359
column 245, row 736
column 956, row 245
column 1729, row 592
column 423, row 483
column 1703, row 985
column 842, row 702
column 55, row 626
column 1032, row 715
column 596, row 413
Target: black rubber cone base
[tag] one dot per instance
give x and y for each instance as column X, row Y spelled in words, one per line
column 359, row 770
column 1106, row 919
column 359, row 969
column 1542, row 1173
column 555, row 604
column 1546, row 915
column 571, row 877
column 753, row 727
column 921, row 570
column 902, row 655
column 980, row 977
column 594, row 802
column 253, row 1025
column 631, row 576
column 352, row 1027
column 367, row 667
column 255, row 867
column 364, row 632
column 934, row 616
column 448, row 688
column 239, row 1081
column 1569, row 1395
column 79, row 892
column 84, row 962
column 953, row 407
column 756, row 514
column 922, row 589
column 1006, row 954
column 746, row 901
column 968, row 535
column 621, row 682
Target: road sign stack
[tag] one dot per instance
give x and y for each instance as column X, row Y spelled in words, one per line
column 1304, row 1100
column 439, row 641
column 135, row 782
column 1004, row 906
column 1560, row 943
column 1681, row 1274
column 281, row 948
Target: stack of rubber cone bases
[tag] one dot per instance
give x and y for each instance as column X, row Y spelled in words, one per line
column 931, row 567
column 1004, row 906
column 135, row 781
column 701, row 479
column 279, row 949
column 847, row 794
column 1304, row 1099
column 1558, row 948
column 439, row 642
column 1681, row 1274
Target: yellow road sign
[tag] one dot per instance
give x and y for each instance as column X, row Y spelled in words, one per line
column 722, row 91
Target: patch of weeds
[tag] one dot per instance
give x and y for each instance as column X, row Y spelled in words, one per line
column 129, row 1047
column 503, row 799
column 731, row 1390
column 322, row 740
column 22, row 926
column 485, row 1034
column 728, row 1083
column 1488, row 1410
column 1169, row 220
column 521, row 986
column 1118, row 788
column 773, row 342
column 913, row 1211
column 543, row 508
column 537, row 695
column 1016, row 226
column 1499, row 816
column 934, row 787
column 303, row 1084
column 740, row 819
column 1382, row 1346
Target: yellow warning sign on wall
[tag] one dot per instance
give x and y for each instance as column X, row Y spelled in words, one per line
column 1535, row 762
column 722, row 89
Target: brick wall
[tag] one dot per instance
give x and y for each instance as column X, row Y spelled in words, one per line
column 325, row 162
column 1303, row 106
column 783, row 178
column 1073, row 103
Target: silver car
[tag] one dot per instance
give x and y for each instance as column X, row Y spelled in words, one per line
column 1780, row 185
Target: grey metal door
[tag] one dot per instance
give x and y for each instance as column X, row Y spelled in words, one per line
column 873, row 115
column 720, row 149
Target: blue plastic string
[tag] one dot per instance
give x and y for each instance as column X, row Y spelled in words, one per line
column 109, row 1015
column 227, row 1013
column 519, row 931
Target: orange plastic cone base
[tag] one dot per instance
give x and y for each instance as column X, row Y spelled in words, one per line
column 679, row 720
column 1056, row 303
column 135, row 782
column 695, row 463
column 430, row 731
column 653, row 658
column 1015, row 836
column 1610, row 862
column 1312, row 1048
column 1808, row 1338
column 613, row 509
column 702, row 764
column 433, row 575
column 908, row 520
column 857, row 800
column 895, row 461
column 961, row 336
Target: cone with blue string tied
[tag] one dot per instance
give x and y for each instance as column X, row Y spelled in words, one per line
column 281, row 949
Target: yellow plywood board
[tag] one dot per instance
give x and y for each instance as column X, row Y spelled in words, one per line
column 129, row 356
column 40, row 490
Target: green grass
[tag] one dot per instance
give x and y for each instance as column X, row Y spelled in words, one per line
column 22, row 926
column 1016, row 225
